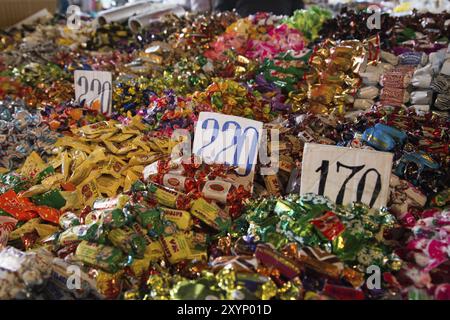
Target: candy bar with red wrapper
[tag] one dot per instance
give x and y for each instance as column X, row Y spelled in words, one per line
column 23, row 209
column 343, row 293
column 329, row 225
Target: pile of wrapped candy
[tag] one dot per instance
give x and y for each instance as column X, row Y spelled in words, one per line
column 111, row 198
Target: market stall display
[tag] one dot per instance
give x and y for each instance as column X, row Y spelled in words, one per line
column 118, row 196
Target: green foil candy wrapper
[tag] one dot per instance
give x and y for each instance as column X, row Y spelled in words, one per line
column 358, row 239
column 52, row 198
column 14, row 181
column 128, row 241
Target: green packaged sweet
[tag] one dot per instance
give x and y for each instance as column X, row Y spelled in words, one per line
column 44, row 174
column 129, row 241
column 108, row 218
column 201, row 289
column 152, row 221
column 309, row 21
column 14, row 181
column 107, row 258
column 52, row 198
column 354, row 233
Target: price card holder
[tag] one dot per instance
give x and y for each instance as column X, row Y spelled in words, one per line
column 346, row 175
column 95, row 88
column 224, row 139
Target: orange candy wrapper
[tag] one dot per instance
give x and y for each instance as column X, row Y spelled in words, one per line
column 23, row 209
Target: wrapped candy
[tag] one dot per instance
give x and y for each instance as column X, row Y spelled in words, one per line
column 230, row 97
column 341, row 230
column 107, row 258
column 428, row 247
column 22, row 131
column 113, row 196
column 309, row 21
column 21, row 272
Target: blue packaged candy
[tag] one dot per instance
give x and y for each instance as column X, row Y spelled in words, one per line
column 420, row 158
column 399, row 136
column 378, row 139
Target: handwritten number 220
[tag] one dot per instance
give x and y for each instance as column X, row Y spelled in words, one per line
column 324, row 169
column 102, row 91
column 239, row 138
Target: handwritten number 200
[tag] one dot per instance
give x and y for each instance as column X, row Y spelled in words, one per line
column 324, row 168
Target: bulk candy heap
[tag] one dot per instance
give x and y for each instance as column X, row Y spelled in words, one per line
column 115, row 196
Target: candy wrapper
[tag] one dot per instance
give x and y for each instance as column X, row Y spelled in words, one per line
column 309, row 21
column 314, row 221
column 113, row 197
column 22, row 131
column 21, row 273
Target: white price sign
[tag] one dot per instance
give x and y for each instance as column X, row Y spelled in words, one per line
column 346, row 175
column 230, row 140
column 95, row 88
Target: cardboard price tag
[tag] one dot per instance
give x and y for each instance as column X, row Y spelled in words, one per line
column 346, row 175
column 231, row 140
column 95, row 89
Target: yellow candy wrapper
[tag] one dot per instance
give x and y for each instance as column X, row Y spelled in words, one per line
column 111, row 146
column 163, row 145
column 83, row 171
column 176, row 247
column 126, row 147
column 44, row 230
column 181, row 218
column 136, row 122
column 114, row 167
column 35, row 190
column 142, row 142
column 210, row 214
column 96, row 128
column 27, row 227
column 108, row 185
column 65, row 164
column 73, row 200
column 153, row 252
column 88, row 191
column 136, row 153
column 145, row 159
column 55, row 162
column 164, row 196
column 53, row 180
column 78, row 157
column 130, row 178
column 137, row 169
column 67, row 141
column 33, row 164
column 129, row 130
column 119, row 137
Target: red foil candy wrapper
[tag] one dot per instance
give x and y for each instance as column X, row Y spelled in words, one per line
column 21, row 209
column 343, row 293
column 329, row 225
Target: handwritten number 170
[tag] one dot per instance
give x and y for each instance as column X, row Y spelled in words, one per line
column 324, row 169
